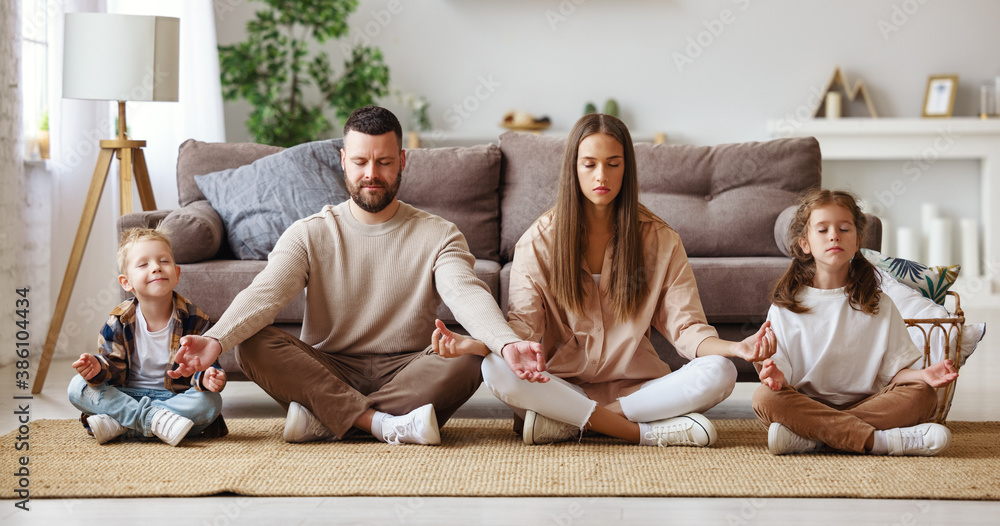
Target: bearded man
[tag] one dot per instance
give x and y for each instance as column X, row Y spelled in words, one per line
column 376, row 269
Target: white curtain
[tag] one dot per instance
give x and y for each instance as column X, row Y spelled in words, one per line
column 11, row 168
column 198, row 112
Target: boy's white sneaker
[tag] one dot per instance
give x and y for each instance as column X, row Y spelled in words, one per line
column 419, row 426
column 170, row 427
column 922, row 440
column 691, row 429
column 105, row 428
column 782, row 441
column 302, row 426
column 542, row 430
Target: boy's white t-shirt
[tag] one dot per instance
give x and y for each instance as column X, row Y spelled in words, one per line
column 152, row 355
column 836, row 353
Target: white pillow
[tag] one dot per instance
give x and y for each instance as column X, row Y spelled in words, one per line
column 912, row 305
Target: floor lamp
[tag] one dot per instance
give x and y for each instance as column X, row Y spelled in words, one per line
column 120, row 58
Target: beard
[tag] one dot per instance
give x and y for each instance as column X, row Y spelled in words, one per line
column 373, row 201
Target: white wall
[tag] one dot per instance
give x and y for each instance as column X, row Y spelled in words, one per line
column 760, row 66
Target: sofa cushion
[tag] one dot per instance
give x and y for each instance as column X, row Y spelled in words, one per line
column 460, row 185
column 259, row 201
column 199, row 158
column 723, row 200
column 195, row 231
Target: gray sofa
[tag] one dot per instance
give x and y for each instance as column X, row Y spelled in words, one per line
column 730, row 203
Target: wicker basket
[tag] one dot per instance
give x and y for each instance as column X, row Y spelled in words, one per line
column 950, row 326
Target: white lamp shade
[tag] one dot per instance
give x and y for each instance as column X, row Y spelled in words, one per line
column 121, row 57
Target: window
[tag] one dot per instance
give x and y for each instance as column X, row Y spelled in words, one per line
column 34, row 65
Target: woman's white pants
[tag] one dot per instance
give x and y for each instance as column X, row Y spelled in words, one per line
column 696, row 387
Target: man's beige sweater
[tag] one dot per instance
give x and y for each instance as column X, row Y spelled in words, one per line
column 370, row 289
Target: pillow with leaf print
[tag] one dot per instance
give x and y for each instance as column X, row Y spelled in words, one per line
column 932, row 282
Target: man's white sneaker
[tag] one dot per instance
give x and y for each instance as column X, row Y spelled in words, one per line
column 419, row 426
column 923, row 440
column 542, row 430
column 782, row 441
column 691, row 429
column 302, row 426
column 170, row 427
column 105, row 428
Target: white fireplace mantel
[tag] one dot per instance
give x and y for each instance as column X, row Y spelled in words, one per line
column 920, row 142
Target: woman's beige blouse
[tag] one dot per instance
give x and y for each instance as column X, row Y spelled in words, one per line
column 606, row 358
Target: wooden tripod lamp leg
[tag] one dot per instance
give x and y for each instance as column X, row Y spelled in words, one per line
column 73, row 267
column 142, row 181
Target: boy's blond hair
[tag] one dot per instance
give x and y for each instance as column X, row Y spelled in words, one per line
column 134, row 235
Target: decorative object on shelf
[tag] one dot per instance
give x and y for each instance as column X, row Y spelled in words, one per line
column 969, row 228
column 833, row 108
column 996, row 96
column 985, row 101
column 43, row 136
column 611, row 108
column 939, row 99
column 524, row 121
column 271, row 71
column 838, row 85
column 589, row 108
column 113, row 57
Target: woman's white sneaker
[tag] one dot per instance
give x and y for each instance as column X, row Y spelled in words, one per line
column 692, row 429
column 539, row 429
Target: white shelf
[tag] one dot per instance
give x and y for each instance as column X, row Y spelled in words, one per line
column 920, row 139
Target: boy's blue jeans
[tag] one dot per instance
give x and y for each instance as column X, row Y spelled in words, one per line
column 134, row 408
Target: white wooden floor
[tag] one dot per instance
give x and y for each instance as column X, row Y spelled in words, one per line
column 977, row 398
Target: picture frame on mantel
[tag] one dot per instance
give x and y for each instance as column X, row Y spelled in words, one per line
column 939, row 99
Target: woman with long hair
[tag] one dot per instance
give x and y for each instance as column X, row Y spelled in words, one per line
column 590, row 278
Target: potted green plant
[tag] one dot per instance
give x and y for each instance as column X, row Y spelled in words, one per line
column 43, row 136
column 272, row 67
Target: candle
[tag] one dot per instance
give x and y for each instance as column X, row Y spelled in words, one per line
column 970, row 247
column 886, row 237
column 939, row 243
column 928, row 211
column 907, row 244
column 984, row 101
column 833, row 105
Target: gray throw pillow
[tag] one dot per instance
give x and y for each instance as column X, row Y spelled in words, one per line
column 259, row 201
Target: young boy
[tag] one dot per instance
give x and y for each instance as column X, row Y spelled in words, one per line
column 126, row 386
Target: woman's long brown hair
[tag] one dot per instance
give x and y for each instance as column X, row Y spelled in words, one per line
column 628, row 287
column 862, row 286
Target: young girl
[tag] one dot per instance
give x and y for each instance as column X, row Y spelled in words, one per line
column 841, row 376
column 590, row 278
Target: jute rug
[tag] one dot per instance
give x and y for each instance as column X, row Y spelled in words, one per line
column 484, row 458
